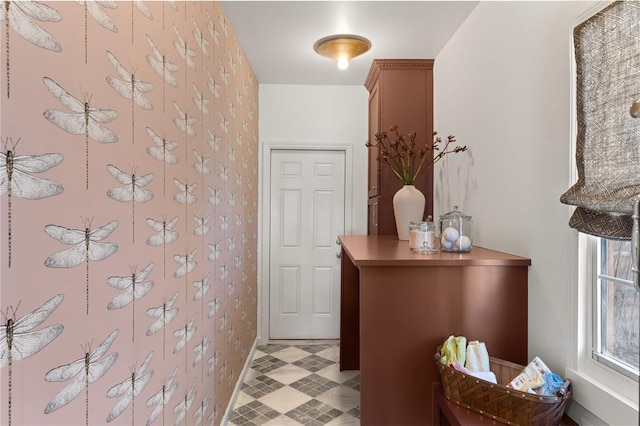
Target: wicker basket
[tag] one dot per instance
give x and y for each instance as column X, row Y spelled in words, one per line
column 499, row 402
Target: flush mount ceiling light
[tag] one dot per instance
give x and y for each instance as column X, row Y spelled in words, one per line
column 342, row 47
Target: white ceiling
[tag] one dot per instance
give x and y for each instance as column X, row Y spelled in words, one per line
column 278, row 36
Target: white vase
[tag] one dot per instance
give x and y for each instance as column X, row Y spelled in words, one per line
column 408, row 206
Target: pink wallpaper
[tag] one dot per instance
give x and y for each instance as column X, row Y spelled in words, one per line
column 128, row 193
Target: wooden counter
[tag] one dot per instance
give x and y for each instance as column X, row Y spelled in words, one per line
column 397, row 307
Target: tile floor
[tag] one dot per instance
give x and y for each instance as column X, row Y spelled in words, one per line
column 293, row 383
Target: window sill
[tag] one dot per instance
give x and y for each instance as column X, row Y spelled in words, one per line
column 602, row 400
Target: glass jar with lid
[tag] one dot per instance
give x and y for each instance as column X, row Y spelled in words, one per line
column 422, row 236
column 456, row 231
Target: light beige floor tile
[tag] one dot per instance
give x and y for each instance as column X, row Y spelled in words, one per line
column 332, row 353
column 243, row 399
column 288, row 374
column 285, row 399
column 291, row 354
column 251, row 374
column 344, row 420
column 341, row 397
column 333, row 372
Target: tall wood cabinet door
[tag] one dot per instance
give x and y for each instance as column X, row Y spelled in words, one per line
column 374, row 152
column 372, row 220
column 400, row 93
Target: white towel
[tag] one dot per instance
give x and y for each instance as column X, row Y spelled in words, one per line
column 477, row 356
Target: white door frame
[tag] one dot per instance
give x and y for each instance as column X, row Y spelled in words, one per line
column 264, row 215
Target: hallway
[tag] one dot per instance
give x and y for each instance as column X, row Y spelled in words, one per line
column 298, row 382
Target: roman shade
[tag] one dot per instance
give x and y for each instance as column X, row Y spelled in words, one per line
column 607, row 53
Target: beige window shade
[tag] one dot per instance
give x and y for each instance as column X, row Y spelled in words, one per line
column 607, row 51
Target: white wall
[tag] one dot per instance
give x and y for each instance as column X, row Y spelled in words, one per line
column 321, row 115
column 502, row 86
column 314, row 116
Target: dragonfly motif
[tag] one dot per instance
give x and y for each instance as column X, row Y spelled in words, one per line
column 87, row 245
column 202, row 288
column 162, row 151
column 128, row 389
column 214, row 307
column 19, row 15
column 162, row 66
column 185, row 195
column 16, row 178
column 133, row 191
column 135, row 287
column 201, row 348
column 215, row 250
column 173, row 6
column 201, row 164
column 224, row 272
column 199, row 37
column 202, row 225
column 232, row 108
column 19, row 340
column 161, row 398
column 184, row 50
column 224, row 172
column 232, row 63
column 214, row 87
column 184, row 336
column 82, row 120
column 164, row 236
column 200, row 101
column 224, row 74
column 214, row 414
column 94, row 8
column 129, row 87
column 144, row 9
column 81, row 372
column 201, row 411
column 224, row 221
column 215, row 35
column 215, row 197
column 182, row 407
column 231, row 243
column 212, row 362
column 163, row 315
column 183, row 121
column 214, row 141
column 187, row 263
column 224, row 123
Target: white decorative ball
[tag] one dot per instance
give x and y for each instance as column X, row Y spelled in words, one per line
column 464, row 243
column 451, row 234
column 446, row 244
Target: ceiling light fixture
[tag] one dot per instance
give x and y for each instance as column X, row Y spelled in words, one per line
column 342, row 47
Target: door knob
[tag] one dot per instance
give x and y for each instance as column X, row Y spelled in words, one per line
column 339, row 255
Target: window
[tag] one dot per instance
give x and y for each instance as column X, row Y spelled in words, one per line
column 616, row 307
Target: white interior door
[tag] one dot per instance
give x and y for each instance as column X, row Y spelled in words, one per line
column 307, row 201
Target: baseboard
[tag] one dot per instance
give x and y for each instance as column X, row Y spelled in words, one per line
column 238, row 387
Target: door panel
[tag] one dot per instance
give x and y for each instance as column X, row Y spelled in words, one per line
column 307, row 214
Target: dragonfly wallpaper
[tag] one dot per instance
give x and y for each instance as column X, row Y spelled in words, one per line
column 128, row 212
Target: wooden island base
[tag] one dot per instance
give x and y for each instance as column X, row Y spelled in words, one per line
column 397, row 307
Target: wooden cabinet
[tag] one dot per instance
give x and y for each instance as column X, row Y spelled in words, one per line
column 372, row 209
column 400, row 92
column 397, row 307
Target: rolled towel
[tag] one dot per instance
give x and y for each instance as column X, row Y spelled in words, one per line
column 453, row 349
column 484, row 375
column 477, row 356
column 552, row 384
